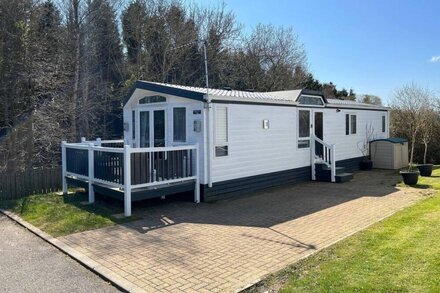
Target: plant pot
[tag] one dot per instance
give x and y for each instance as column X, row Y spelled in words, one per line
column 410, row 177
column 366, row 165
column 425, row 169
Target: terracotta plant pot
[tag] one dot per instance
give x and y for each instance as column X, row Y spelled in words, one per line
column 366, row 165
column 425, row 169
column 410, row 177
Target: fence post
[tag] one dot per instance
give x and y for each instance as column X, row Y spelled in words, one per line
column 64, row 166
column 83, row 139
column 98, row 141
column 91, row 173
column 196, row 169
column 333, row 162
column 127, row 181
column 312, row 155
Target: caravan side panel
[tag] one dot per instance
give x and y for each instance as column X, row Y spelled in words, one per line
column 254, row 150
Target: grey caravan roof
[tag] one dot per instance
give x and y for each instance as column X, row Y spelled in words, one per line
column 288, row 97
column 198, row 93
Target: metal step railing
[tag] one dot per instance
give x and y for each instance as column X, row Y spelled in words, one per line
column 322, row 152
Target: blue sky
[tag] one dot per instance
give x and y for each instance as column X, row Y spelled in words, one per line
column 373, row 47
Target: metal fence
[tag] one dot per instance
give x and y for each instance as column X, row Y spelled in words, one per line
column 36, row 181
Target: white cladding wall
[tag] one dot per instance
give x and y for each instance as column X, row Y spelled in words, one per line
column 192, row 137
column 254, row 150
column 348, row 146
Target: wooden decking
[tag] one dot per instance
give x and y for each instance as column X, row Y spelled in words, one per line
column 136, row 194
column 130, row 174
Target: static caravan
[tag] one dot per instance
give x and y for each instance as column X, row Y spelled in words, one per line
column 222, row 142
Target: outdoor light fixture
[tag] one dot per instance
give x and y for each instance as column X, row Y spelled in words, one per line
column 338, row 110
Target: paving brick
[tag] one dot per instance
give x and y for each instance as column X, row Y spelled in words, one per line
column 225, row 246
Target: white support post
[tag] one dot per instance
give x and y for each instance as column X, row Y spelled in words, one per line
column 98, row 141
column 197, row 174
column 210, row 142
column 312, row 156
column 333, row 162
column 83, row 139
column 64, row 166
column 91, row 174
column 127, row 181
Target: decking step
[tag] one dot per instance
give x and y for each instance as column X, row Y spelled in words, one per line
column 343, row 177
column 323, row 173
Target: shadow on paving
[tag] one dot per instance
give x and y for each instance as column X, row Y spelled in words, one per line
column 265, row 208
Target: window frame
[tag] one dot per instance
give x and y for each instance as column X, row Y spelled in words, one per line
column 304, row 138
column 222, row 144
column 310, row 105
column 152, row 103
column 349, row 130
column 384, row 127
column 133, row 125
column 353, row 131
column 186, row 124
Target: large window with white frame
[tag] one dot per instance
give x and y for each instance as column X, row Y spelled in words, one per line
column 221, row 131
column 179, row 124
column 350, row 124
column 303, row 129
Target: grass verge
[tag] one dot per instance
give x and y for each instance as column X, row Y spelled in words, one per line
column 399, row 254
column 60, row 215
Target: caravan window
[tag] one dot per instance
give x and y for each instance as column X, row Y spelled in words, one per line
column 353, row 124
column 303, row 129
column 309, row 100
column 179, row 124
column 221, row 131
column 152, row 99
column 350, row 124
column 133, row 125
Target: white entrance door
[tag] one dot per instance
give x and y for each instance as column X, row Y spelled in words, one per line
column 152, row 128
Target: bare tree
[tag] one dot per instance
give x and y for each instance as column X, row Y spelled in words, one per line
column 429, row 129
column 409, row 113
column 278, row 53
column 364, row 145
column 369, row 99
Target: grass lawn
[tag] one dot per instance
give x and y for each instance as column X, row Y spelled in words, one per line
column 399, row 254
column 61, row 215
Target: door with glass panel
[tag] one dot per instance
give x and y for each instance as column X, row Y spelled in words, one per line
column 152, row 128
column 310, row 121
column 318, row 127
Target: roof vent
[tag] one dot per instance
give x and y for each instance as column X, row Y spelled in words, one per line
column 228, row 88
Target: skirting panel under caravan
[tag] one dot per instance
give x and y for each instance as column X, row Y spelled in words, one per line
column 239, row 186
column 350, row 165
column 235, row 187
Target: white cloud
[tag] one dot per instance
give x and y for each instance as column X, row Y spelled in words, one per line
column 434, row 59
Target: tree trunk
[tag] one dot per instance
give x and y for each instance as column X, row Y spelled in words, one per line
column 76, row 61
column 426, row 151
column 411, row 156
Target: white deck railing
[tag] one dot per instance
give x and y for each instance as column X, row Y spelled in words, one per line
column 327, row 156
column 126, row 168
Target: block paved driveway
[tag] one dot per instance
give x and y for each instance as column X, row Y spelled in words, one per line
column 228, row 245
